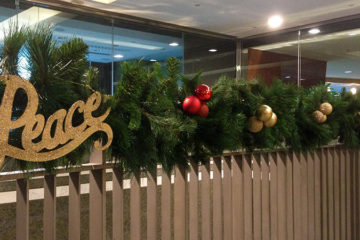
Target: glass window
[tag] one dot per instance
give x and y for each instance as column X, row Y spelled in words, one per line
column 337, row 55
column 271, row 61
column 113, row 41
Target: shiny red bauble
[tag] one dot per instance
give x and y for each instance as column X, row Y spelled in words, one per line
column 203, row 92
column 204, row 110
column 191, row 105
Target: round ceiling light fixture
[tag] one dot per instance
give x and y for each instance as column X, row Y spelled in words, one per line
column 174, row 44
column 213, row 50
column 314, row 31
column 353, row 90
column 275, row 21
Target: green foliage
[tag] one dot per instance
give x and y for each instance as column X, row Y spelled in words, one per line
column 146, row 115
column 14, row 39
column 60, row 75
column 313, row 134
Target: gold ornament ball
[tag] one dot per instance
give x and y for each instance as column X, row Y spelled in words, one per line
column 264, row 113
column 255, row 125
column 271, row 122
column 324, row 119
column 326, row 108
column 319, row 116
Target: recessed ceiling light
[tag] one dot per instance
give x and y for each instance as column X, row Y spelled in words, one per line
column 153, row 60
column 348, row 72
column 314, row 31
column 353, row 90
column 118, row 56
column 275, row 21
column 104, row 1
column 174, row 44
column 213, row 50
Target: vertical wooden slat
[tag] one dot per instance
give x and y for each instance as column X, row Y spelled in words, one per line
column 297, row 196
column 348, row 194
column 227, row 204
column 354, row 224
column 205, row 202
column 49, row 219
column 22, row 209
column 311, row 195
column 74, row 206
column 135, row 208
column 317, row 187
column 281, row 195
column 273, row 196
column 289, row 197
column 330, row 182
column 336, row 195
column 117, row 204
column 304, row 196
column 342, row 160
column 357, row 187
column 151, row 220
column 265, row 198
column 256, row 197
column 324, row 194
column 179, row 204
column 193, row 202
column 165, row 206
column 237, row 198
column 248, row 214
column 217, row 210
column 97, row 207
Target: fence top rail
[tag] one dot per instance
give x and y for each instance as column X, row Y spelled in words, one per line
column 14, row 175
column 6, row 176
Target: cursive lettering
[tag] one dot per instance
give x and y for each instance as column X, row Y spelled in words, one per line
column 64, row 138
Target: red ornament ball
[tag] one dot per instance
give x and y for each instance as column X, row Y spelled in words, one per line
column 204, row 110
column 191, row 105
column 203, row 92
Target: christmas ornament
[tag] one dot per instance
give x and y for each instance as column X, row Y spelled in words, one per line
column 204, row 110
column 319, row 117
column 255, row 125
column 191, row 105
column 203, row 92
column 264, row 113
column 326, row 108
column 65, row 135
column 324, row 119
column 272, row 121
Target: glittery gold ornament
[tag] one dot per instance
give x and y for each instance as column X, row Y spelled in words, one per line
column 264, row 113
column 324, row 119
column 65, row 135
column 319, row 117
column 326, row 108
column 272, row 121
column 255, row 125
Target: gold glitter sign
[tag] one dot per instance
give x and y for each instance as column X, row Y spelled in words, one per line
column 64, row 138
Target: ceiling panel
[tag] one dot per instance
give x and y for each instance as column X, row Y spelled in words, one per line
column 234, row 17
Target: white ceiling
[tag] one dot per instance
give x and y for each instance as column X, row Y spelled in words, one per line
column 234, row 17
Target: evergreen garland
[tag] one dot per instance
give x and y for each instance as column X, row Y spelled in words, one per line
column 149, row 125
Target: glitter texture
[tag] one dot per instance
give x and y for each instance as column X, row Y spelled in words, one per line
column 35, row 125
